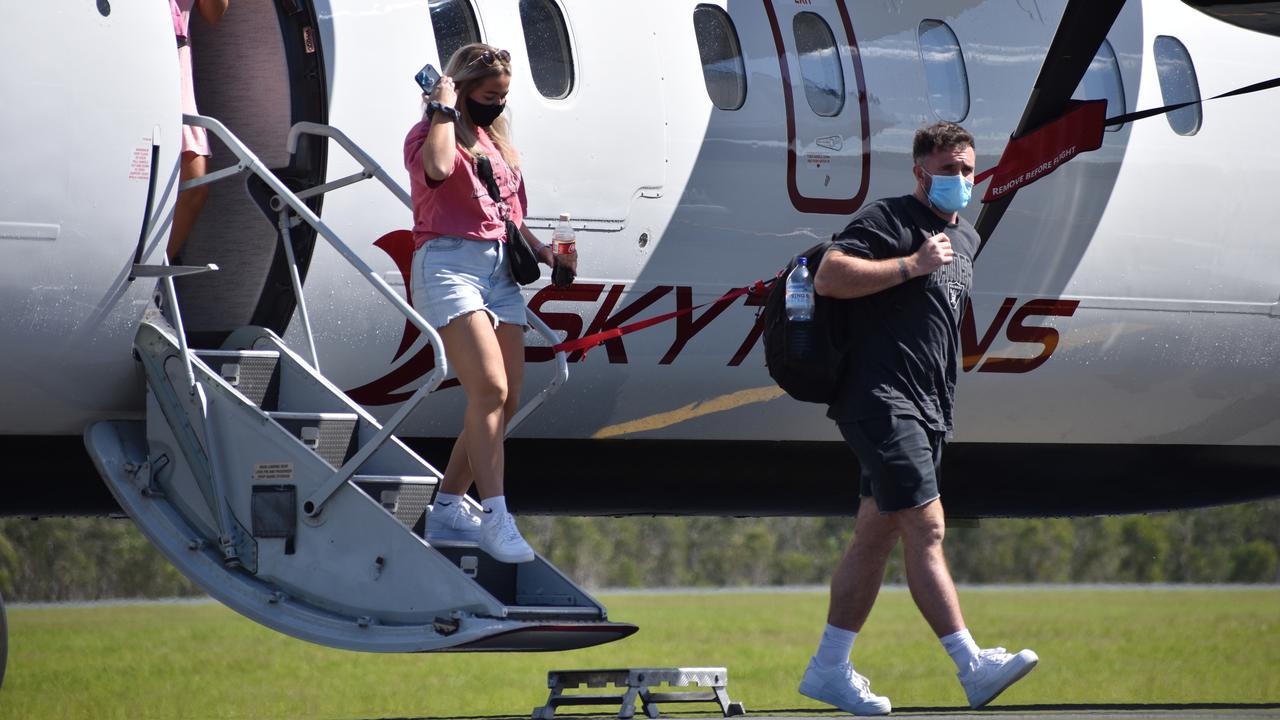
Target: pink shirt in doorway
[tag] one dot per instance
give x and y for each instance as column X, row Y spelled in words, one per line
column 460, row 206
column 194, row 139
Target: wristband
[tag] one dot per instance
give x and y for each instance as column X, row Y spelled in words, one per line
column 448, row 111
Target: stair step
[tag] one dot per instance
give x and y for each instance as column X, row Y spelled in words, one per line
column 318, row 416
column 237, row 353
column 404, row 496
column 255, row 374
column 549, row 612
column 528, row 590
column 331, row 435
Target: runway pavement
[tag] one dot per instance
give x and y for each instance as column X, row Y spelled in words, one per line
column 1062, row 712
column 1184, row 711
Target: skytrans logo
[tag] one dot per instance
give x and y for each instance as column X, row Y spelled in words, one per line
column 1017, row 331
column 568, row 310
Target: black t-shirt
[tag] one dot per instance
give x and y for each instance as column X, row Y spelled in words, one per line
column 905, row 340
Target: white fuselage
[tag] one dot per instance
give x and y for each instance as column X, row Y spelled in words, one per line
column 1152, row 257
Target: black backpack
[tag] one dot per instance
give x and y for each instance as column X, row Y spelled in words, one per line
column 813, row 376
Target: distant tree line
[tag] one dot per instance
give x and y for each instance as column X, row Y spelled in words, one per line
column 65, row 559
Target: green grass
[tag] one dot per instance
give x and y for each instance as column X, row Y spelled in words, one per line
column 203, row 661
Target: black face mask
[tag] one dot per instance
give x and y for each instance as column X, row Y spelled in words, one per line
column 483, row 115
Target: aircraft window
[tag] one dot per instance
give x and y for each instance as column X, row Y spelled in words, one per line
column 944, row 71
column 1178, row 84
column 819, row 64
column 547, row 38
column 722, row 67
column 454, row 23
column 1102, row 81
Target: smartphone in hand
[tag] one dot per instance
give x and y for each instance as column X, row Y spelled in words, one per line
column 427, row 78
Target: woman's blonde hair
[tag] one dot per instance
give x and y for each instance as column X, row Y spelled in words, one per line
column 469, row 71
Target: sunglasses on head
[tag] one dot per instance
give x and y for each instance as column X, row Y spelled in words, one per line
column 489, row 57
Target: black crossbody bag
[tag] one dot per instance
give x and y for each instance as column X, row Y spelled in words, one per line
column 522, row 261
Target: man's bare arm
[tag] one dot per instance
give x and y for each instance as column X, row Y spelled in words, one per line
column 843, row 276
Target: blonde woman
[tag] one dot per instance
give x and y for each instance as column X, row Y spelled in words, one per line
column 462, row 286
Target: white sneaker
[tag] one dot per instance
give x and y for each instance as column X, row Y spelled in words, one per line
column 500, row 537
column 993, row 671
column 842, row 687
column 452, row 523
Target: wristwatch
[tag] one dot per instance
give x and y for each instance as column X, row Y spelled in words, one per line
column 435, row 106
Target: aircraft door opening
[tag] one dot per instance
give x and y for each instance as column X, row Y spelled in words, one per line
column 258, row 71
column 824, row 92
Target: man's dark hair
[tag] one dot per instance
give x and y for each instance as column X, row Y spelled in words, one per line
column 939, row 136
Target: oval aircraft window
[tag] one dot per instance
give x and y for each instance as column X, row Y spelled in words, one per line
column 454, row 24
column 547, row 39
column 1102, row 81
column 722, row 66
column 944, row 71
column 1178, row 84
column 819, row 64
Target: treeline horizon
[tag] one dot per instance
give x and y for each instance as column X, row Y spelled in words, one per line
column 85, row 559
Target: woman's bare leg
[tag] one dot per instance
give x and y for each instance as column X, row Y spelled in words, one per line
column 190, row 202
column 474, row 350
column 457, row 474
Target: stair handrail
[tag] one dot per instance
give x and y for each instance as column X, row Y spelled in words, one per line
column 369, row 168
column 249, row 162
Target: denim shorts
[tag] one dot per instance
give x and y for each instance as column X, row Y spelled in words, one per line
column 901, row 460
column 454, row 276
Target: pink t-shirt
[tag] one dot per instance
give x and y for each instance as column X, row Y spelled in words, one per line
column 460, row 206
column 181, row 13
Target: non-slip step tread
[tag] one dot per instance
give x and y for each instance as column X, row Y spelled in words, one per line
column 406, row 497
column 255, row 375
column 332, row 436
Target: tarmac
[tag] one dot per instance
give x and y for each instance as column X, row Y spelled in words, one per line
column 1184, row 711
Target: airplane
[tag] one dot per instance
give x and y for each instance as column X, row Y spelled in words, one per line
column 1118, row 353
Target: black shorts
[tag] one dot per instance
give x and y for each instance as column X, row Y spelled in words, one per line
column 901, row 460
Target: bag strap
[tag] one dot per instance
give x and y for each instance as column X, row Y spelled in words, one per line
column 484, row 168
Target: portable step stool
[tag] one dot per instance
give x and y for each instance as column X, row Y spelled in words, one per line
column 639, row 683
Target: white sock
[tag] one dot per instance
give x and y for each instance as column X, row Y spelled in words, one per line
column 494, row 507
column 962, row 649
column 835, row 646
column 444, row 498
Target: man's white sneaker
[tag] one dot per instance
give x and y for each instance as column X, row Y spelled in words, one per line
column 842, row 687
column 452, row 523
column 500, row 537
column 992, row 671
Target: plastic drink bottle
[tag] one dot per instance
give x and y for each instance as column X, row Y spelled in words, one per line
column 563, row 239
column 799, row 306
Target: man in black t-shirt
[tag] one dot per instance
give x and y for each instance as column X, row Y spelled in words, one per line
column 910, row 260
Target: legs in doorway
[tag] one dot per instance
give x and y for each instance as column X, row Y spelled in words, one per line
column 190, row 202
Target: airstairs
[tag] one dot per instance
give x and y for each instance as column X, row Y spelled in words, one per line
column 287, row 501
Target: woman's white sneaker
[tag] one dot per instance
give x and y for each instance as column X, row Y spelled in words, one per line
column 452, row 523
column 993, row 671
column 500, row 537
column 843, row 687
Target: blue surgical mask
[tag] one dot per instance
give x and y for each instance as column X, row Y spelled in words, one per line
column 949, row 193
